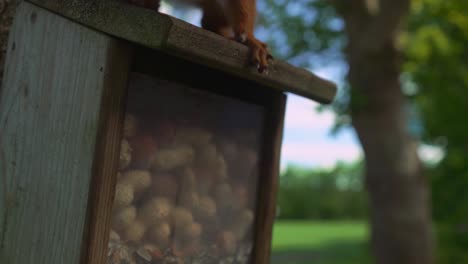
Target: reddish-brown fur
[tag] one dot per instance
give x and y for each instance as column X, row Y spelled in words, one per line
column 233, row 19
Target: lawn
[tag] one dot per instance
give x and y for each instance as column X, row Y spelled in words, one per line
column 320, row 242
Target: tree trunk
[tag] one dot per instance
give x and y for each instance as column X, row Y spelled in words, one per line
column 398, row 191
column 7, row 12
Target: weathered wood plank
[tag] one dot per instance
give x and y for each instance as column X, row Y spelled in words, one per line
column 56, row 77
column 269, row 181
column 200, row 46
column 169, row 34
column 107, row 154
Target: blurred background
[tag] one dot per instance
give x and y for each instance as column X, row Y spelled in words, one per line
column 380, row 175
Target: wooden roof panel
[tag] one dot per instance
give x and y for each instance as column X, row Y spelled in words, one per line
column 168, row 34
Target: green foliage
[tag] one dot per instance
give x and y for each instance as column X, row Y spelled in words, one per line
column 437, row 61
column 437, row 64
column 453, row 242
column 309, row 34
column 322, row 194
column 302, row 29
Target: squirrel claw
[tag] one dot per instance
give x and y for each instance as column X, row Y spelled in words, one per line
column 260, row 55
column 270, row 57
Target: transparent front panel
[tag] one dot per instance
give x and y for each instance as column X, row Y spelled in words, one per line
column 187, row 185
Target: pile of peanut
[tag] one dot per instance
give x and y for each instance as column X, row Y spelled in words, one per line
column 183, row 188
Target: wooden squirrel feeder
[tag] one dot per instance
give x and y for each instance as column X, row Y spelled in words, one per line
column 130, row 135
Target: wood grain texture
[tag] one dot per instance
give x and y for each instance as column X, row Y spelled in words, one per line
column 107, row 153
column 204, row 47
column 269, row 181
column 7, row 12
column 176, row 37
column 55, row 80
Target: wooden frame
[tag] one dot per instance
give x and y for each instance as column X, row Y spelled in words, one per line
column 104, row 179
column 273, row 101
column 61, row 119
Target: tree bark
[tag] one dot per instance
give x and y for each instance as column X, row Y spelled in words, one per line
column 7, row 12
column 401, row 228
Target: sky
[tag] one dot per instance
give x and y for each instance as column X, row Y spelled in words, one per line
column 307, row 140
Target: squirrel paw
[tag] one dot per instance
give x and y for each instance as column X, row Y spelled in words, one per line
column 259, row 54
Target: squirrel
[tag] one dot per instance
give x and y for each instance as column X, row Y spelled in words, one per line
column 233, row 19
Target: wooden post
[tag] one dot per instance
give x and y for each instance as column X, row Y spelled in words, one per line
column 270, row 180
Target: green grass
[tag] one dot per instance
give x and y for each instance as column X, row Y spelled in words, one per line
column 320, row 242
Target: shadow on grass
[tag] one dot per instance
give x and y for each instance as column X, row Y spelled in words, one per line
column 339, row 252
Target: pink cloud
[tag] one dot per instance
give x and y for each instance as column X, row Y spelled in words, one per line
column 322, row 155
column 301, row 114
